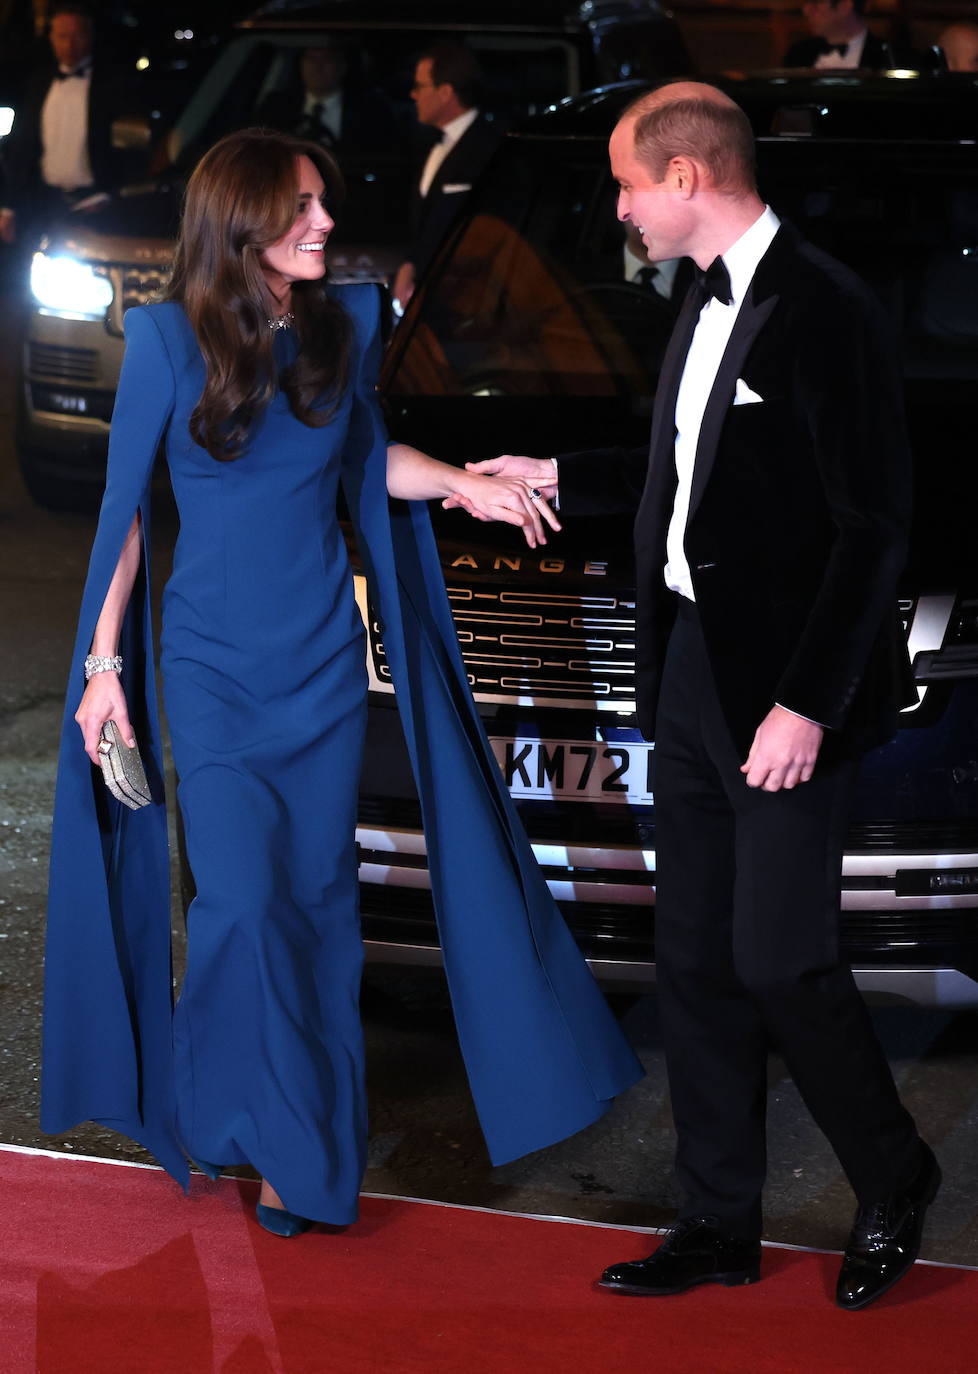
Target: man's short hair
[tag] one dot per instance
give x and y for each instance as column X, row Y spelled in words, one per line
column 455, row 65
column 715, row 133
column 78, row 7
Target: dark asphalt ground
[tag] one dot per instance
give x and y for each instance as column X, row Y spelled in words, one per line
column 424, row 1137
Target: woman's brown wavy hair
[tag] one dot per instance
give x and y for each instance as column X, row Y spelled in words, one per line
column 243, row 196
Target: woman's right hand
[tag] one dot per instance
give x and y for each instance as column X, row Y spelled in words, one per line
column 102, row 700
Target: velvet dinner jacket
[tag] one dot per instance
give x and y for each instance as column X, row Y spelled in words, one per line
column 799, row 512
column 435, row 213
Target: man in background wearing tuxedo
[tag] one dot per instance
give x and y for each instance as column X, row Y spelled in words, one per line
column 59, row 154
column 447, row 90
column 839, row 39
column 772, row 516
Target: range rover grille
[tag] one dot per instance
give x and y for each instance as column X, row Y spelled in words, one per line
column 131, row 286
column 539, row 648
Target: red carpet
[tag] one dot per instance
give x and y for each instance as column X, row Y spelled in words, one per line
column 108, row 1269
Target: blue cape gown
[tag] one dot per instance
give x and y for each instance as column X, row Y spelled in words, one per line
column 543, row 1053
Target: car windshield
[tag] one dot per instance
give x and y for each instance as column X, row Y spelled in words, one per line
column 259, row 79
column 537, row 297
column 540, row 295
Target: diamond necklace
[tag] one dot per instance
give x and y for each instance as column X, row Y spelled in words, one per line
column 282, row 321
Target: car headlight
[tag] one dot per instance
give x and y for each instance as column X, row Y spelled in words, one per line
column 6, row 120
column 65, row 286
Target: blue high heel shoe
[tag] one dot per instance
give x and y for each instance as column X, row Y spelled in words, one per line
column 280, row 1222
column 212, row 1171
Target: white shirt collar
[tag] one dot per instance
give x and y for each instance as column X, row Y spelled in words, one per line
column 328, row 102
column 454, row 130
column 742, row 257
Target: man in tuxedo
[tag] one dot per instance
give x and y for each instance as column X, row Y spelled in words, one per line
column 772, row 515
column 326, row 106
column 59, row 153
column 446, row 92
column 839, row 39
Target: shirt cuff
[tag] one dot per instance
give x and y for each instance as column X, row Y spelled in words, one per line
column 800, row 716
column 556, row 495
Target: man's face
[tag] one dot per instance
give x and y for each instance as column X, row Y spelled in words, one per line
column 432, row 102
column 961, row 49
column 827, row 19
column 323, row 70
column 70, row 36
column 658, row 213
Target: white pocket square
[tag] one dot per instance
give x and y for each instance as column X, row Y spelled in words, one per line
column 452, row 188
column 743, row 396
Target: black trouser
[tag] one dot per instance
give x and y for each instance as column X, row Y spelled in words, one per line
column 747, row 951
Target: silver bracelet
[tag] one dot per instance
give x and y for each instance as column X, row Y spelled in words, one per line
column 97, row 663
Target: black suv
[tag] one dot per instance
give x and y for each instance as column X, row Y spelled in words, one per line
column 529, row 337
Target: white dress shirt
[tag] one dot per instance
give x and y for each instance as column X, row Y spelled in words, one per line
column 665, row 274
column 710, row 339
column 450, row 135
column 327, row 110
column 843, row 61
column 64, row 133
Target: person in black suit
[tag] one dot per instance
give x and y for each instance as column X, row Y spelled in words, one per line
column 327, row 106
column 839, row 38
column 59, row 152
column 446, row 93
column 772, row 518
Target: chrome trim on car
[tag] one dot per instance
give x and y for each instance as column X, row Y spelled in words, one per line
column 591, row 873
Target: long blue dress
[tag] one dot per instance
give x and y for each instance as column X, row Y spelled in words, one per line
column 263, row 655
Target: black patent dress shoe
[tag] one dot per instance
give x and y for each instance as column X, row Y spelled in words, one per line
column 694, row 1251
column 885, row 1238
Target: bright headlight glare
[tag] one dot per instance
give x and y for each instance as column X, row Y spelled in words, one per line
column 69, row 287
column 6, row 120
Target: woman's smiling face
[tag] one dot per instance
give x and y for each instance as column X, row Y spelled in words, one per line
column 298, row 254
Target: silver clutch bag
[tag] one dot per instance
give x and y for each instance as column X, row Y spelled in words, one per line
column 122, row 768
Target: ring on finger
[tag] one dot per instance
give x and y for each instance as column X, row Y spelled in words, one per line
column 535, row 494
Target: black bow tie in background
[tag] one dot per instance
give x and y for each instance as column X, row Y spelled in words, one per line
column 714, row 282
column 79, row 71
column 840, row 48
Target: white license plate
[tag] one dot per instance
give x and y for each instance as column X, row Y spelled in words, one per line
column 575, row 770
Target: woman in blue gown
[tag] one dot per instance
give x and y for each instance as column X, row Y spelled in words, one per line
column 260, row 380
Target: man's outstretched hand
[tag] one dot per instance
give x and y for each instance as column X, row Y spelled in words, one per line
column 538, row 472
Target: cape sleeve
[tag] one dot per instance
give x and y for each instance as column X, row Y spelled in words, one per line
column 107, row 1042
column 543, row 1053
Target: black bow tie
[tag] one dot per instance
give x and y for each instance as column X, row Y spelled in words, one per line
column 715, row 281
column 840, row 48
column 66, row 76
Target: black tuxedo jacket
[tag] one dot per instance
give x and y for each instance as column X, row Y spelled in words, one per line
column 435, row 213
column 876, row 54
column 799, row 511
column 110, row 96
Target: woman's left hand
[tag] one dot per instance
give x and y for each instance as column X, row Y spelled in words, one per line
column 509, row 499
